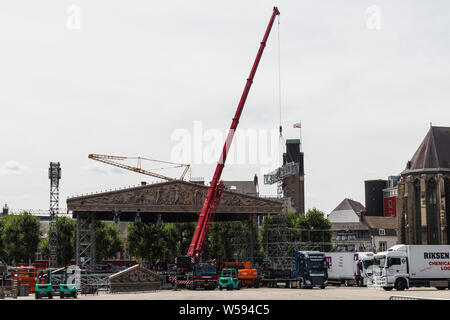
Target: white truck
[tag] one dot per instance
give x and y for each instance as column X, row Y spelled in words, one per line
column 349, row 268
column 405, row 266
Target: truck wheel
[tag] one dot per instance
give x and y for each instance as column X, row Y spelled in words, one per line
column 400, row 284
column 441, row 288
column 322, row 287
column 388, row 288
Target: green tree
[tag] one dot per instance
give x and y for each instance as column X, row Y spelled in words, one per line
column 19, row 237
column 146, row 241
column 177, row 237
column 65, row 228
column 318, row 226
column 107, row 240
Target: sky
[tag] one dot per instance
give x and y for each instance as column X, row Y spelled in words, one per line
column 163, row 79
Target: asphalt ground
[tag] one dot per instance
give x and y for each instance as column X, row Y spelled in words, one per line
column 329, row 293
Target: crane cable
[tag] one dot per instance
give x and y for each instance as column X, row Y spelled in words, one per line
column 281, row 138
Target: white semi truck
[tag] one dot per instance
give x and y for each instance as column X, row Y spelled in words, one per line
column 349, row 268
column 405, row 266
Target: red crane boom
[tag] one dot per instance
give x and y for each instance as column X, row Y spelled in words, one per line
column 216, row 188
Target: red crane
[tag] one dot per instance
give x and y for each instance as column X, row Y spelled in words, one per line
column 216, row 188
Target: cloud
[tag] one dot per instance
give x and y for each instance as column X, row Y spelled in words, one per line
column 95, row 168
column 14, row 168
column 103, row 169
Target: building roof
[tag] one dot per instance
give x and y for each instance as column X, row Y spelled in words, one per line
column 381, row 222
column 343, row 216
column 433, row 152
column 244, row 187
column 349, row 204
column 348, row 211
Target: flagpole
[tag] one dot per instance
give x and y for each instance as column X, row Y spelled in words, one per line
column 298, row 125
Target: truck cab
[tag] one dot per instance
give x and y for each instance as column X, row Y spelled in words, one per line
column 311, row 269
column 391, row 270
column 204, row 275
column 365, row 268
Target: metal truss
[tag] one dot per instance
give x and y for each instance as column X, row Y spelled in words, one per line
column 85, row 246
column 54, row 174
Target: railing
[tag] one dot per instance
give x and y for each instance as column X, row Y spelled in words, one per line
column 413, row 298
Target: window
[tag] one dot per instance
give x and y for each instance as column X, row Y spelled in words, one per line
column 395, row 261
column 390, row 204
column 382, row 246
column 381, row 232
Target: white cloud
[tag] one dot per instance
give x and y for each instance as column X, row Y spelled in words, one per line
column 14, row 168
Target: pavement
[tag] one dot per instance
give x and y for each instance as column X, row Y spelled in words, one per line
column 329, row 293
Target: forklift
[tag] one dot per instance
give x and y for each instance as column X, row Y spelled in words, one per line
column 67, row 289
column 44, row 284
column 229, row 279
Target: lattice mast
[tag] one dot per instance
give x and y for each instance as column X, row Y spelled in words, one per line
column 54, row 174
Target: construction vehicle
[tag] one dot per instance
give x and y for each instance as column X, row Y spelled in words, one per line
column 229, row 279
column 44, row 283
column 25, row 276
column 216, row 187
column 67, row 289
column 405, row 266
column 113, row 160
column 248, row 277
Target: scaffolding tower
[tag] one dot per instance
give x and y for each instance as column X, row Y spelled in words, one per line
column 54, row 174
column 85, row 244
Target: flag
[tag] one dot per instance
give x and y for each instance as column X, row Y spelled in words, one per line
column 298, row 125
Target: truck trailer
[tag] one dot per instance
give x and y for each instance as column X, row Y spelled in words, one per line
column 406, row 266
column 349, row 268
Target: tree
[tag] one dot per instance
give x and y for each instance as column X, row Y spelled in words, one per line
column 177, row 238
column 65, row 249
column 146, row 241
column 107, row 240
column 19, row 237
column 319, row 227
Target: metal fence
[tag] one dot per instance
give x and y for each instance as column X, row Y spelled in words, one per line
column 412, row 298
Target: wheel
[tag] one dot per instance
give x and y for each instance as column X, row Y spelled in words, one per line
column 400, row 284
column 441, row 288
column 388, row 288
column 50, row 295
column 61, row 295
column 220, row 288
column 322, row 287
column 230, row 287
column 256, row 284
column 74, row 295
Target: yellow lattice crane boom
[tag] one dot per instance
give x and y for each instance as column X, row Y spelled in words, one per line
column 113, row 160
